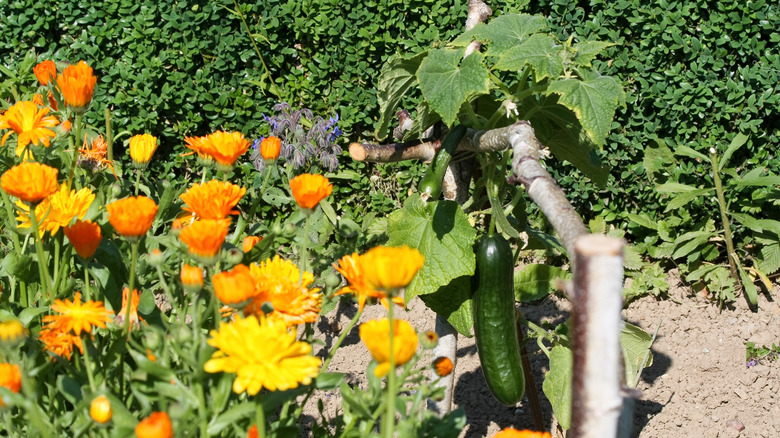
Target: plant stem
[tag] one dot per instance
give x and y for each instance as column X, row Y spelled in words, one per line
column 341, row 338
column 109, row 137
column 259, row 417
column 43, row 269
column 137, row 180
column 275, row 90
column 87, row 293
column 88, row 366
column 303, row 264
column 133, row 261
column 388, row 422
column 252, row 210
column 75, row 150
column 723, row 213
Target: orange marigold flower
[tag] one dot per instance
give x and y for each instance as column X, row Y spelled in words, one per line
column 270, row 148
column 224, row 147
column 250, row 242
column 234, row 286
column 58, row 341
column 30, row 182
column 279, row 283
column 182, row 220
column 77, row 316
column 77, row 83
column 100, row 409
column 132, row 216
column 10, row 377
column 204, row 238
column 85, row 236
column 511, row 432
column 213, row 200
column 252, row 432
column 308, row 190
column 390, row 268
column 135, row 320
column 376, row 335
column 349, row 267
column 38, row 99
column 191, row 277
column 156, row 425
column 30, row 123
column 45, row 71
column 443, row 366
column 197, row 146
column 57, row 210
column 142, row 148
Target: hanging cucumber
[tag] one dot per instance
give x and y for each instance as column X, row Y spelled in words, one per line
column 432, row 180
column 494, row 320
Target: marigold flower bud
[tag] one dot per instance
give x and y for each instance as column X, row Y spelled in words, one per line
column 100, row 409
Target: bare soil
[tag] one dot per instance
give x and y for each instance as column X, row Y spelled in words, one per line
column 697, row 386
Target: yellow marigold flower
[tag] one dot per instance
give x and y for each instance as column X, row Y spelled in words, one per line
column 191, row 277
column 204, row 238
column 132, row 216
column 156, row 425
column 213, row 200
column 85, row 236
column 77, row 83
column 390, row 268
column 263, row 353
column 100, row 409
column 279, row 283
column 30, row 123
column 250, row 242
column 443, row 366
column 10, row 377
column 59, row 341
column 349, row 267
column 142, row 147
column 308, row 190
column 224, row 147
column 77, row 316
column 270, row 148
column 511, row 432
column 135, row 320
column 12, row 331
column 30, row 182
column 45, row 71
column 376, row 335
column 58, row 209
column 234, row 286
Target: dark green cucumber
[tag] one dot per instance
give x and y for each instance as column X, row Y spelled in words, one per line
column 494, row 320
column 432, row 180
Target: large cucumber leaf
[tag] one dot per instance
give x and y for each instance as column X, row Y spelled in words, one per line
column 396, row 78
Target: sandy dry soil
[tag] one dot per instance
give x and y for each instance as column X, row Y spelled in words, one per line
column 698, row 385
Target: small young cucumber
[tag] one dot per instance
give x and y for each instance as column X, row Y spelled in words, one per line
column 432, row 180
column 494, row 320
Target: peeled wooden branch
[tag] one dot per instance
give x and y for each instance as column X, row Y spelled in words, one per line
column 478, row 13
column 389, row 153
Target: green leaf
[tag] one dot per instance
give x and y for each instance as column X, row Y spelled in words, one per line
column 329, row 381
column 447, row 83
column 751, row 292
column 754, row 178
column 658, row 157
column 503, row 32
column 395, row 79
column 453, row 301
column 690, row 246
column 594, row 101
column 69, row 388
column 643, row 220
column 442, row 233
column 632, row 260
column 770, row 259
column 587, row 51
column 739, row 140
column 673, row 187
column 684, row 199
column 685, row 151
column 535, row 281
column 425, row 118
column 635, row 343
column 231, row 416
column 541, row 51
column 557, row 384
column 757, row 225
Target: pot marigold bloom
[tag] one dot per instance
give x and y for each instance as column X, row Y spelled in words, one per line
column 197, row 146
column 308, row 190
column 263, row 353
column 442, row 366
column 100, row 409
column 30, row 182
column 511, row 432
column 213, row 200
column 156, row 425
column 12, row 331
column 279, row 283
column 85, row 236
column 250, row 242
column 93, row 155
column 234, row 286
column 135, row 320
column 390, row 268
column 76, row 84
column 30, row 123
column 204, row 238
column 132, row 216
column 191, row 277
column 252, row 432
column 58, row 209
column 376, row 335
column 45, row 71
column 349, row 267
column 10, row 377
column 270, row 148
column 76, row 316
column 224, row 147
column 142, row 147
column 58, row 341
